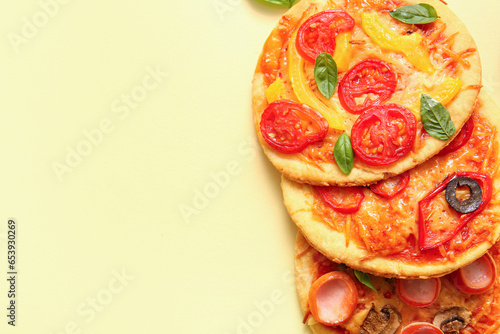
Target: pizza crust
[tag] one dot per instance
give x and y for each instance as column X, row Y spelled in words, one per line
column 297, row 199
column 327, row 173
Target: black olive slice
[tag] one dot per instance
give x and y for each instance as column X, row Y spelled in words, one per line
column 471, row 203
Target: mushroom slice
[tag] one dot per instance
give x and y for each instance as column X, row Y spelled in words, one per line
column 385, row 321
column 453, row 319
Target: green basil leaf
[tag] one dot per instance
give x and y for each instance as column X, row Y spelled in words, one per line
column 343, row 153
column 365, row 279
column 325, row 74
column 415, row 14
column 436, row 118
column 288, row 3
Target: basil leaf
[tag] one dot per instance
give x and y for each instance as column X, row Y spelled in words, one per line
column 365, row 279
column 343, row 153
column 288, row 3
column 436, row 118
column 415, row 14
column 325, row 74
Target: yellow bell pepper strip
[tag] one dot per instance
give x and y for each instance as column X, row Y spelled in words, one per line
column 303, row 91
column 446, row 91
column 342, row 54
column 410, row 46
column 275, row 91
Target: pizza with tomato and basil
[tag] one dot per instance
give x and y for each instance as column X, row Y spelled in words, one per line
column 354, row 91
column 340, row 300
column 425, row 222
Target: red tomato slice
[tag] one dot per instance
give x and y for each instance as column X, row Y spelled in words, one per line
column 317, row 34
column 333, row 298
column 418, row 292
column 383, row 134
column 289, row 127
column 427, row 238
column 421, row 328
column 477, row 277
column 460, row 140
column 342, row 199
column 369, row 83
column 392, row 186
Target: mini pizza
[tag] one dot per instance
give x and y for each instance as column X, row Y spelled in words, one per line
column 337, row 299
column 351, row 92
column 425, row 222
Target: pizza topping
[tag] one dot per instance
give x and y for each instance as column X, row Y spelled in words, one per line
column 436, row 118
column 325, row 74
column 275, row 91
column 418, row 292
column 369, row 83
column 421, row 328
column 447, row 90
column 477, row 277
column 289, row 127
column 460, row 139
column 303, row 91
column 436, row 224
column 333, row 298
column 453, row 319
column 288, row 3
column 411, row 46
column 343, row 50
column 318, row 32
column 392, row 186
column 466, row 205
column 342, row 199
column 415, row 14
column 383, row 134
column 365, row 279
column 385, row 321
column 343, row 153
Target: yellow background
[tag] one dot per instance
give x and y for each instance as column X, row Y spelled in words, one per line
column 171, row 219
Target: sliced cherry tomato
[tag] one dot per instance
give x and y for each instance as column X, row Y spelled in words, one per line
column 421, row 328
column 477, row 277
column 427, row 238
column 460, row 140
column 418, row 292
column 369, row 83
column 342, row 199
column 392, row 186
column 333, row 298
column 289, row 127
column 383, row 134
column 317, row 34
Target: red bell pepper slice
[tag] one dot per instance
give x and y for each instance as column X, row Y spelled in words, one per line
column 427, row 238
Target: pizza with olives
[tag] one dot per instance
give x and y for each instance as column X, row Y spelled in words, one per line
column 425, row 222
column 352, row 92
column 338, row 299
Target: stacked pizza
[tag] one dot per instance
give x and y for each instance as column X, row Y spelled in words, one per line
column 372, row 112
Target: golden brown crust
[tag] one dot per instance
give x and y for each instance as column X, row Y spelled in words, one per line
column 299, row 169
column 298, row 199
